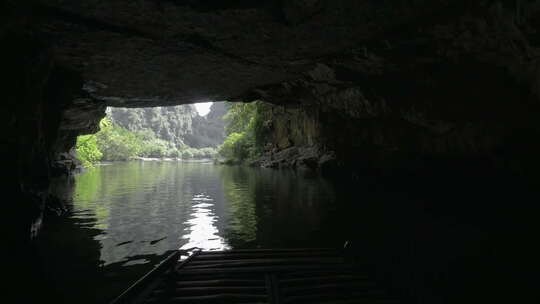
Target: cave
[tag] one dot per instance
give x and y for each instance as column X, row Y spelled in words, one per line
column 436, row 98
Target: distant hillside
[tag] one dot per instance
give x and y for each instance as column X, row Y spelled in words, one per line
column 208, row 131
column 180, row 125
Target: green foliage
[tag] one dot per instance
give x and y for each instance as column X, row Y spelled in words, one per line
column 246, row 131
column 113, row 143
column 236, row 147
column 198, row 153
column 154, row 148
column 178, row 125
column 208, row 152
column 187, row 153
column 87, row 150
column 174, row 153
column 239, row 116
column 117, row 143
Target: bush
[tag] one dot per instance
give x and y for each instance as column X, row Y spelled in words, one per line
column 174, row 153
column 187, row 154
column 247, row 131
column 154, row 148
column 237, row 147
column 208, row 152
column 87, row 150
column 116, row 143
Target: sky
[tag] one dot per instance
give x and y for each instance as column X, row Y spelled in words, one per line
column 203, row 108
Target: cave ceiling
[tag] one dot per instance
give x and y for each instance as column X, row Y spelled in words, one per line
column 151, row 52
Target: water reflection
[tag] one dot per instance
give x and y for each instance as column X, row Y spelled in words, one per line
column 127, row 216
column 149, row 208
column 201, row 231
column 272, row 208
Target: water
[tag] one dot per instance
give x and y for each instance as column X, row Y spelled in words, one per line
column 436, row 238
column 150, row 207
column 126, row 217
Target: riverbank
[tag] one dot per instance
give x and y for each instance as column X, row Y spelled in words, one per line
column 174, row 159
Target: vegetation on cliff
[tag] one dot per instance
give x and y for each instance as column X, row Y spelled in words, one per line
column 246, row 131
column 158, row 132
column 113, row 142
column 161, row 132
column 87, row 150
column 179, row 125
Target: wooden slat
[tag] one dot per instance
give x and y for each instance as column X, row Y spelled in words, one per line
column 276, row 294
column 325, row 278
column 134, row 290
column 262, row 262
column 218, row 298
column 328, row 287
column 219, row 256
column 269, row 289
column 318, row 297
column 224, row 282
column 210, row 290
column 273, row 259
column 303, row 273
column 271, row 250
column 196, row 276
column 274, row 276
column 189, row 259
column 260, row 269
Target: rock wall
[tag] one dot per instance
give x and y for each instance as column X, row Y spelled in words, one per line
column 208, row 131
column 45, row 110
column 454, row 88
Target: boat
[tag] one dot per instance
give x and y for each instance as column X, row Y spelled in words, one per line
column 298, row 275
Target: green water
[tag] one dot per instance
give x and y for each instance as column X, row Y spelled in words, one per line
column 127, row 216
column 151, row 207
column 437, row 238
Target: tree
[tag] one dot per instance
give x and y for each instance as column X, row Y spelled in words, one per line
column 87, row 150
column 117, row 143
column 239, row 117
column 246, row 131
column 187, row 154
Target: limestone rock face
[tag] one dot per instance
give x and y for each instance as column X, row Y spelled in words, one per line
column 209, row 131
column 171, row 124
column 458, row 86
column 180, row 125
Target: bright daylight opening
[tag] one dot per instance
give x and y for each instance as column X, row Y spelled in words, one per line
column 203, row 108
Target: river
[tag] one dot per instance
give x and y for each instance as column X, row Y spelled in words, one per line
column 438, row 237
column 127, row 215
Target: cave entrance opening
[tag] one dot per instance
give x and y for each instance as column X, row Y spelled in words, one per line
column 126, row 215
column 191, row 131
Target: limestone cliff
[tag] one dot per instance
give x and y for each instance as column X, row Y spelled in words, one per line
column 208, row 131
column 180, row 125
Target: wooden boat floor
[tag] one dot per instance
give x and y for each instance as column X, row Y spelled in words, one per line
column 263, row 276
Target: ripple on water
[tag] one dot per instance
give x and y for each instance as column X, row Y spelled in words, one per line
column 197, row 199
column 203, row 205
column 201, row 230
column 129, row 213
